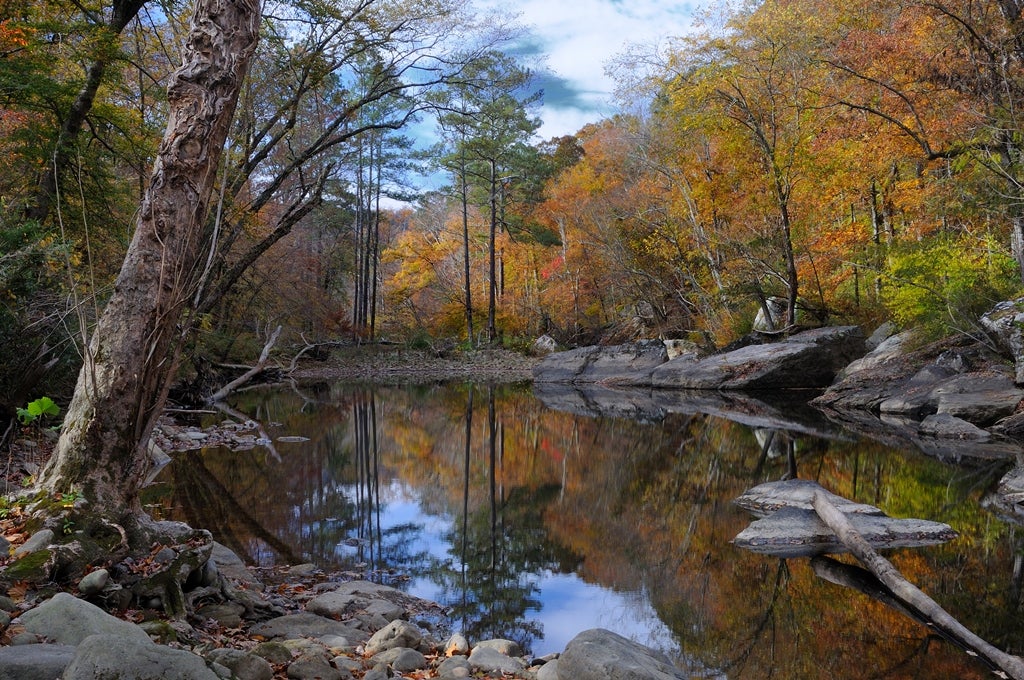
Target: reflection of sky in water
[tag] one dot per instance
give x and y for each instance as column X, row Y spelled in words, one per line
column 569, row 605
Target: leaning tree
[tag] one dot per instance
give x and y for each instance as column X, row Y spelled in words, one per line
column 102, row 453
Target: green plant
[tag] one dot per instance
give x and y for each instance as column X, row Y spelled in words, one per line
column 944, row 285
column 37, row 409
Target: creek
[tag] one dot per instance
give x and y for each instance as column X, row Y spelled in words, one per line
column 534, row 523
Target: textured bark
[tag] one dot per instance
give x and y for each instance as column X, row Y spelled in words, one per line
column 102, row 450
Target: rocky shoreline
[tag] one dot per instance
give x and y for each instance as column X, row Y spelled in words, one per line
column 292, row 622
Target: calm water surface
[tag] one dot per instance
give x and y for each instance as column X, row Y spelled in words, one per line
column 534, row 523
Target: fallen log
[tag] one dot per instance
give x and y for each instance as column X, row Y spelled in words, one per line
column 223, row 392
column 889, row 575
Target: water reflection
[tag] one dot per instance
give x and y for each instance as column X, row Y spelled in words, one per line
column 534, row 524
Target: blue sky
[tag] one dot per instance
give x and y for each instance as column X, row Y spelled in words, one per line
column 577, row 40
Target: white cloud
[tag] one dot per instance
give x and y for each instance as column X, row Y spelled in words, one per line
column 580, row 38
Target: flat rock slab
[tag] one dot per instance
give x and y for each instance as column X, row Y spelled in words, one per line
column 796, row 532
column 630, row 363
column 805, row 360
column 764, row 499
column 306, row 624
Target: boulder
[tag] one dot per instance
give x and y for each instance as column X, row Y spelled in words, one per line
column 65, row 619
column 809, row 359
column 113, row 657
column 243, row 665
column 776, row 317
column 543, row 346
column 1005, row 324
column 599, row 654
column 629, row 363
column 395, row 634
column 34, row 662
column 490, row 660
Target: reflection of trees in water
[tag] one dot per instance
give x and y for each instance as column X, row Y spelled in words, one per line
column 391, row 552
column 207, row 503
column 488, row 582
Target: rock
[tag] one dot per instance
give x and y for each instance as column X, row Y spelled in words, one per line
column 305, row 624
column 68, row 620
column 543, row 346
column 950, row 427
column 457, row 644
column 777, row 308
column 548, row 671
column 681, row 348
column 599, row 654
column 805, row 360
column 629, row 364
column 309, row 667
column 395, row 634
column 274, row 652
column 243, row 665
column 506, row 647
column 454, row 667
column 35, row 661
column 114, row 657
column 231, row 565
column 1005, row 324
column 764, row 499
column 796, row 532
column 226, row 614
column 881, row 351
column 93, row 582
column 402, row 659
column 39, row 540
column 490, row 660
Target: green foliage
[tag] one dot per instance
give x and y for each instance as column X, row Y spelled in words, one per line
column 944, row 285
column 38, row 409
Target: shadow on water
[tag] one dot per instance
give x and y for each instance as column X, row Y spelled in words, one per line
column 536, row 517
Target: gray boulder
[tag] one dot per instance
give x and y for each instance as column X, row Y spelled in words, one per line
column 805, row 360
column 113, row 657
column 1005, row 324
column 490, row 660
column 34, row 662
column 395, row 634
column 65, row 619
column 243, row 665
column 599, row 654
column 630, row 363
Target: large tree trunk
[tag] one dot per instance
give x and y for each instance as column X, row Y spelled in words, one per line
column 102, row 452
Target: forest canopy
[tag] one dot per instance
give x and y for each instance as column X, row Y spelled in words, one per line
column 858, row 161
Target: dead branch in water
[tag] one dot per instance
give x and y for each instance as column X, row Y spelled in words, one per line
column 223, row 392
column 1012, row 666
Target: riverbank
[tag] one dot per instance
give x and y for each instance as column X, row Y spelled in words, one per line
column 391, row 364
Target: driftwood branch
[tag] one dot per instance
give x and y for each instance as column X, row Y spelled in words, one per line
column 220, row 394
column 906, row 591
